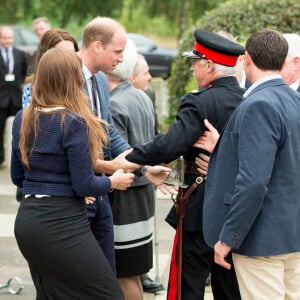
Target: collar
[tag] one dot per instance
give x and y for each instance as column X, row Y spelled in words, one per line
column 120, row 87
column 225, row 80
column 86, row 72
column 4, row 51
column 295, row 84
column 49, row 109
column 242, row 83
column 259, row 82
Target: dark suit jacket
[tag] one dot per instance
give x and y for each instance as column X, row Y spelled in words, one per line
column 215, row 103
column 11, row 92
column 116, row 144
column 252, row 190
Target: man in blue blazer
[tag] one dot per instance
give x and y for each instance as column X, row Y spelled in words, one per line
column 104, row 40
column 99, row 55
column 251, row 204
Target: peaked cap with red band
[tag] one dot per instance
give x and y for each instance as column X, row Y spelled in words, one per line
column 214, row 47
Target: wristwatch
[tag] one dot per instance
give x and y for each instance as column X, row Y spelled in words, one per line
column 144, row 170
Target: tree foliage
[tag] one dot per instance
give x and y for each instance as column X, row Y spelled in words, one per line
column 239, row 17
column 59, row 12
column 169, row 18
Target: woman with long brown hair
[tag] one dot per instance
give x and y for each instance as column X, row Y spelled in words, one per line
column 56, row 140
column 53, row 38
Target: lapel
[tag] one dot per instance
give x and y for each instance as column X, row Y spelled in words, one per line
column 103, row 94
column 87, row 93
column 268, row 83
column 90, row 100
column 2, row 63
column 99, row 91
column 16, row 57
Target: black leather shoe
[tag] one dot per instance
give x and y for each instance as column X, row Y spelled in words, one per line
column 151, row 286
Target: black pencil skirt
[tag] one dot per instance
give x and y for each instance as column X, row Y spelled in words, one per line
column 65, row 260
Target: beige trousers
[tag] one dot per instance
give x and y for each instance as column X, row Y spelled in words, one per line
column 268, row 277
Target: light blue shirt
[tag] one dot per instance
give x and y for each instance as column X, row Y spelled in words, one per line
column 87, row 76
column 260, row 81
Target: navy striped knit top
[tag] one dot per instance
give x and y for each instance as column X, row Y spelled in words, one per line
column 61, row 163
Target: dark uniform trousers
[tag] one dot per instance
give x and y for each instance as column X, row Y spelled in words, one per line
column 223, row 282
column 198, row 257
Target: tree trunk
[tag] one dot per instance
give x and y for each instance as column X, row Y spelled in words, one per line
column 183, row 18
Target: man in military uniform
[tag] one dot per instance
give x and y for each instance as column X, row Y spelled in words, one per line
column 213, row 61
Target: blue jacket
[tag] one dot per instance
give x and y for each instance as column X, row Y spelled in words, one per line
column 252, row 193
column 116, row 144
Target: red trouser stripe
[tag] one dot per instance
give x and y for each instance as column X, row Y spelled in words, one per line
column 172, row 288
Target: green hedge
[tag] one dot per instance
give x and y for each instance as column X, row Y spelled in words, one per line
column 240, row 18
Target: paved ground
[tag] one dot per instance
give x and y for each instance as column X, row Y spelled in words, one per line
column 12, row 263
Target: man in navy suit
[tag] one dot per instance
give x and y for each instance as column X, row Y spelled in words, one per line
column 100, row 54
column 13, row 67
column 104, row 41
column 290, row 73
column 251, row 204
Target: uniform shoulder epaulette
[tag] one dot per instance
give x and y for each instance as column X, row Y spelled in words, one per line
column 200, row 90
column 194, row 92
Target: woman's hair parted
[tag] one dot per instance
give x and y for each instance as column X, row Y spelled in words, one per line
column 59, row 82
column 48, row 41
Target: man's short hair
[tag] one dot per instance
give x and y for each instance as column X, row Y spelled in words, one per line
column 267, row 49
column 41, row 19
column 100, row 29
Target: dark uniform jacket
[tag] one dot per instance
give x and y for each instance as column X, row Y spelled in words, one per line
column 215, row 103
